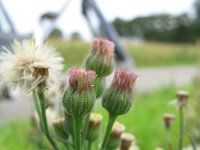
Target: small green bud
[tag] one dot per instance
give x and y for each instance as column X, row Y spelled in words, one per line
column 93, row 131
column 115, row 135
column 79, row 98
column 117, row 99
column 59, row 128
column 100, row 58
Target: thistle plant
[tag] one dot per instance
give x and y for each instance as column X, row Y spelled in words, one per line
column 117, row 99
column 182, row 98
column 33, row 68
column 79, row 98
column 38, row 68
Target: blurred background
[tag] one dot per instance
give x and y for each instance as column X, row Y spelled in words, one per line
column 159, row 40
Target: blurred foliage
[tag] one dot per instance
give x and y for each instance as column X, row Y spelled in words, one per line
column 146, row 54
column 56, row 33
column 145, row 121
column 162, row 27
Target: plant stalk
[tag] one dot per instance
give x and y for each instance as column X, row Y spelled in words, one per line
column 44, row 118
column 78, row 124
column 181, row 125
column 108, row 130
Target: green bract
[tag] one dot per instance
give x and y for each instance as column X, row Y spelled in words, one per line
column 78, row 103
column 117, row 102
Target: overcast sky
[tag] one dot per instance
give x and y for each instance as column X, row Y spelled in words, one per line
column 25, row 13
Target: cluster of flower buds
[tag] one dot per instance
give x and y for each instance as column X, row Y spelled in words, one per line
column 79, row 98
column 168, row 118
column 115, row 136
column 117, row 99
column 93, row 131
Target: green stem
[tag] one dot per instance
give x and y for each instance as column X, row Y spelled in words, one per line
column 37, row 106
column 77, row 141
column 108, row 130
column 44, row 118
column 89, row 145
column 169, row 140
column 181, row 128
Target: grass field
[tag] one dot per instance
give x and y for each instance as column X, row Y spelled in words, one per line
column 145, row 121
column 144, row 55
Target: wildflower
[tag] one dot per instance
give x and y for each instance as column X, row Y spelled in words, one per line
column 168, row 118
column 100, row 58
column 19, row 66
column 118, row 98
column 79, row 98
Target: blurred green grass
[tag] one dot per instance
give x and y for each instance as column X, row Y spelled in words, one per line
column 147, row 54
column 145, row 121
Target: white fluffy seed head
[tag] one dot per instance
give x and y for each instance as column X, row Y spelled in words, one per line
column 17, row 64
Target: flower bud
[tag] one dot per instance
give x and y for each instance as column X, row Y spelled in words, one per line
column 99, row 86
column 117, row 100
column 59, row 128
column 168, row 118
column 126, row 141
column 95, row 121
column 100, row 58
column 79, row 98
column 182, row 98
column 115, row 135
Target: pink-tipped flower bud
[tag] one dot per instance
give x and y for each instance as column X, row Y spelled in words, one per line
column 182, row 98
column 79, row 98
column 126, row 141
column 100, row 58
column 115, row 135
column 168, row 118
column 118, row 98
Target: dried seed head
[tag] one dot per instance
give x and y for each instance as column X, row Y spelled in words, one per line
column 126, row 141
column 182, row 98
column 168, row 118
column 40, row 69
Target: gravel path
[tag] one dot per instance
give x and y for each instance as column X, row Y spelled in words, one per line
column 149, row 79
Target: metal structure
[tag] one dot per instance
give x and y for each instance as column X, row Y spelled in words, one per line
column 88, row 6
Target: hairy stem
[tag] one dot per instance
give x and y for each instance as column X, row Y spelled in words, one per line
column 44, row 118
column 78, row 124
column 108, row 130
